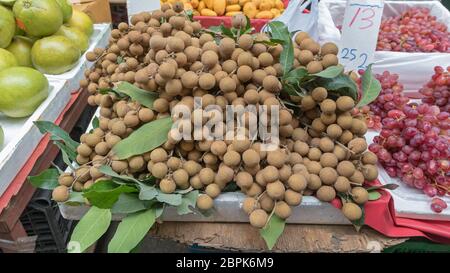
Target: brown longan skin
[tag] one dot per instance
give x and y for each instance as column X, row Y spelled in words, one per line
column 258, row 218
column 352, row 211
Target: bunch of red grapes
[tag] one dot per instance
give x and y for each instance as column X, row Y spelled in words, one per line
column 414, row 145
column 437, row 90
column 391, row 97
column 415, row 30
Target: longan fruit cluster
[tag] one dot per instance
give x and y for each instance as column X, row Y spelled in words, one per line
column 311, row 55
column 321, row 151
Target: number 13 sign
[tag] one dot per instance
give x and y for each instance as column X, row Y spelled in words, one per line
column 362, row 21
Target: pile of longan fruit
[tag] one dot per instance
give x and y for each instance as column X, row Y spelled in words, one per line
column 322, row 150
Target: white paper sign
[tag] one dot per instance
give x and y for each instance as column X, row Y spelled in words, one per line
column 137, row 6
column 360, row 29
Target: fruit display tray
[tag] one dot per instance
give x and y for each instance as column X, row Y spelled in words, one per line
column 22, row 137
column 414, row 69
column 409, row 202
column 99, row 38
column 228, row 208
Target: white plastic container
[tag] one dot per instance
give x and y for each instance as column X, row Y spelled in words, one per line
column 415, row 69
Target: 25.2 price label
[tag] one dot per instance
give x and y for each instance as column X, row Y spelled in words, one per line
column 352, row 54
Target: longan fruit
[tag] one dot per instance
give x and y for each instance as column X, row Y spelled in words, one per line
column 357, row 145
column 360, row 195
column 167, row 70
column 319, row 94
column 258, row 218
column 181, row 178
column 219, row 148
column 326, row 193
column 342, row 184
column 271, row 84
column 357, row 178
column 270, row 174
column 226, row 47
column 158, row 155
column 174, row 163
column 102, row 148
column 329, row 60
column 192, row 167
column 65, row 179
column 334, row 131
column 301, row 147
column 369, row 158
column 119, row 165
column 265, row 59
column 313, row 167
column 60, row 194
column 204, row 202
column 244, row 73
column 245, row 58
column 314, row 154
column 244, row 180
column 241, row 145
column 345, row 122
column 297, row 182
column 352, row 211
column 314, row 182
column 345, row 103
column 251, row 158
column 207, row 81
column 159, row 170
column 326, row 145
column 84, row 150
column 359, row 127
column 295, row 158
column 161, row 105
column 370, row 172
column 329, row 48
column 328, row 118
column 275, row 190
column 232, row 158
column 328, row 160
column 305, row 57
column 346, row 168
column 292, row 198
column 345, row 137
column 209, row 58
column 146, row 115
column 136, row 162
column 328, row 176
column 314, row 67
column 167, row 186
column 276, row 158
column 206, row 176
column 250, row 204
column 227, row 85
column 282, row 210
column 254, row 190
column 308, row 103
column 328, row 106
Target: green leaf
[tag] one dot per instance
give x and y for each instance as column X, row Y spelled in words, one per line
column 188, row 200
column 90, row 228
column 371, row 87
column 105, row 169
column 330, row 72
column 290, row 90
column 280, row 31
column 47, row 180
column 272, row 231
column 215, row 29
column 374, row 195
column 120, row 60
column 226, row 31
column 56, row 133
column 189, row 14
column 271, row 42
column 159, row 207
column 128, row 203
column 144, row 139
column 172, row 199
column 95, row 123
column 131, row 231
column 391, row 186
column 341, row 84
column 75, row 199
column 68, row 154
column 147, row 192
column 144, row 97
column 104, row 194
column 296, row 75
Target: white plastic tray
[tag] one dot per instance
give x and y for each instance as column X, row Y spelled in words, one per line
column 22, row 137
column 409, row 202
column 99, row 38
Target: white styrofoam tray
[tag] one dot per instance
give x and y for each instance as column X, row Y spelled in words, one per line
column 415, row 68
column 409, row 202
column 99, row 38
column 22, row 137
